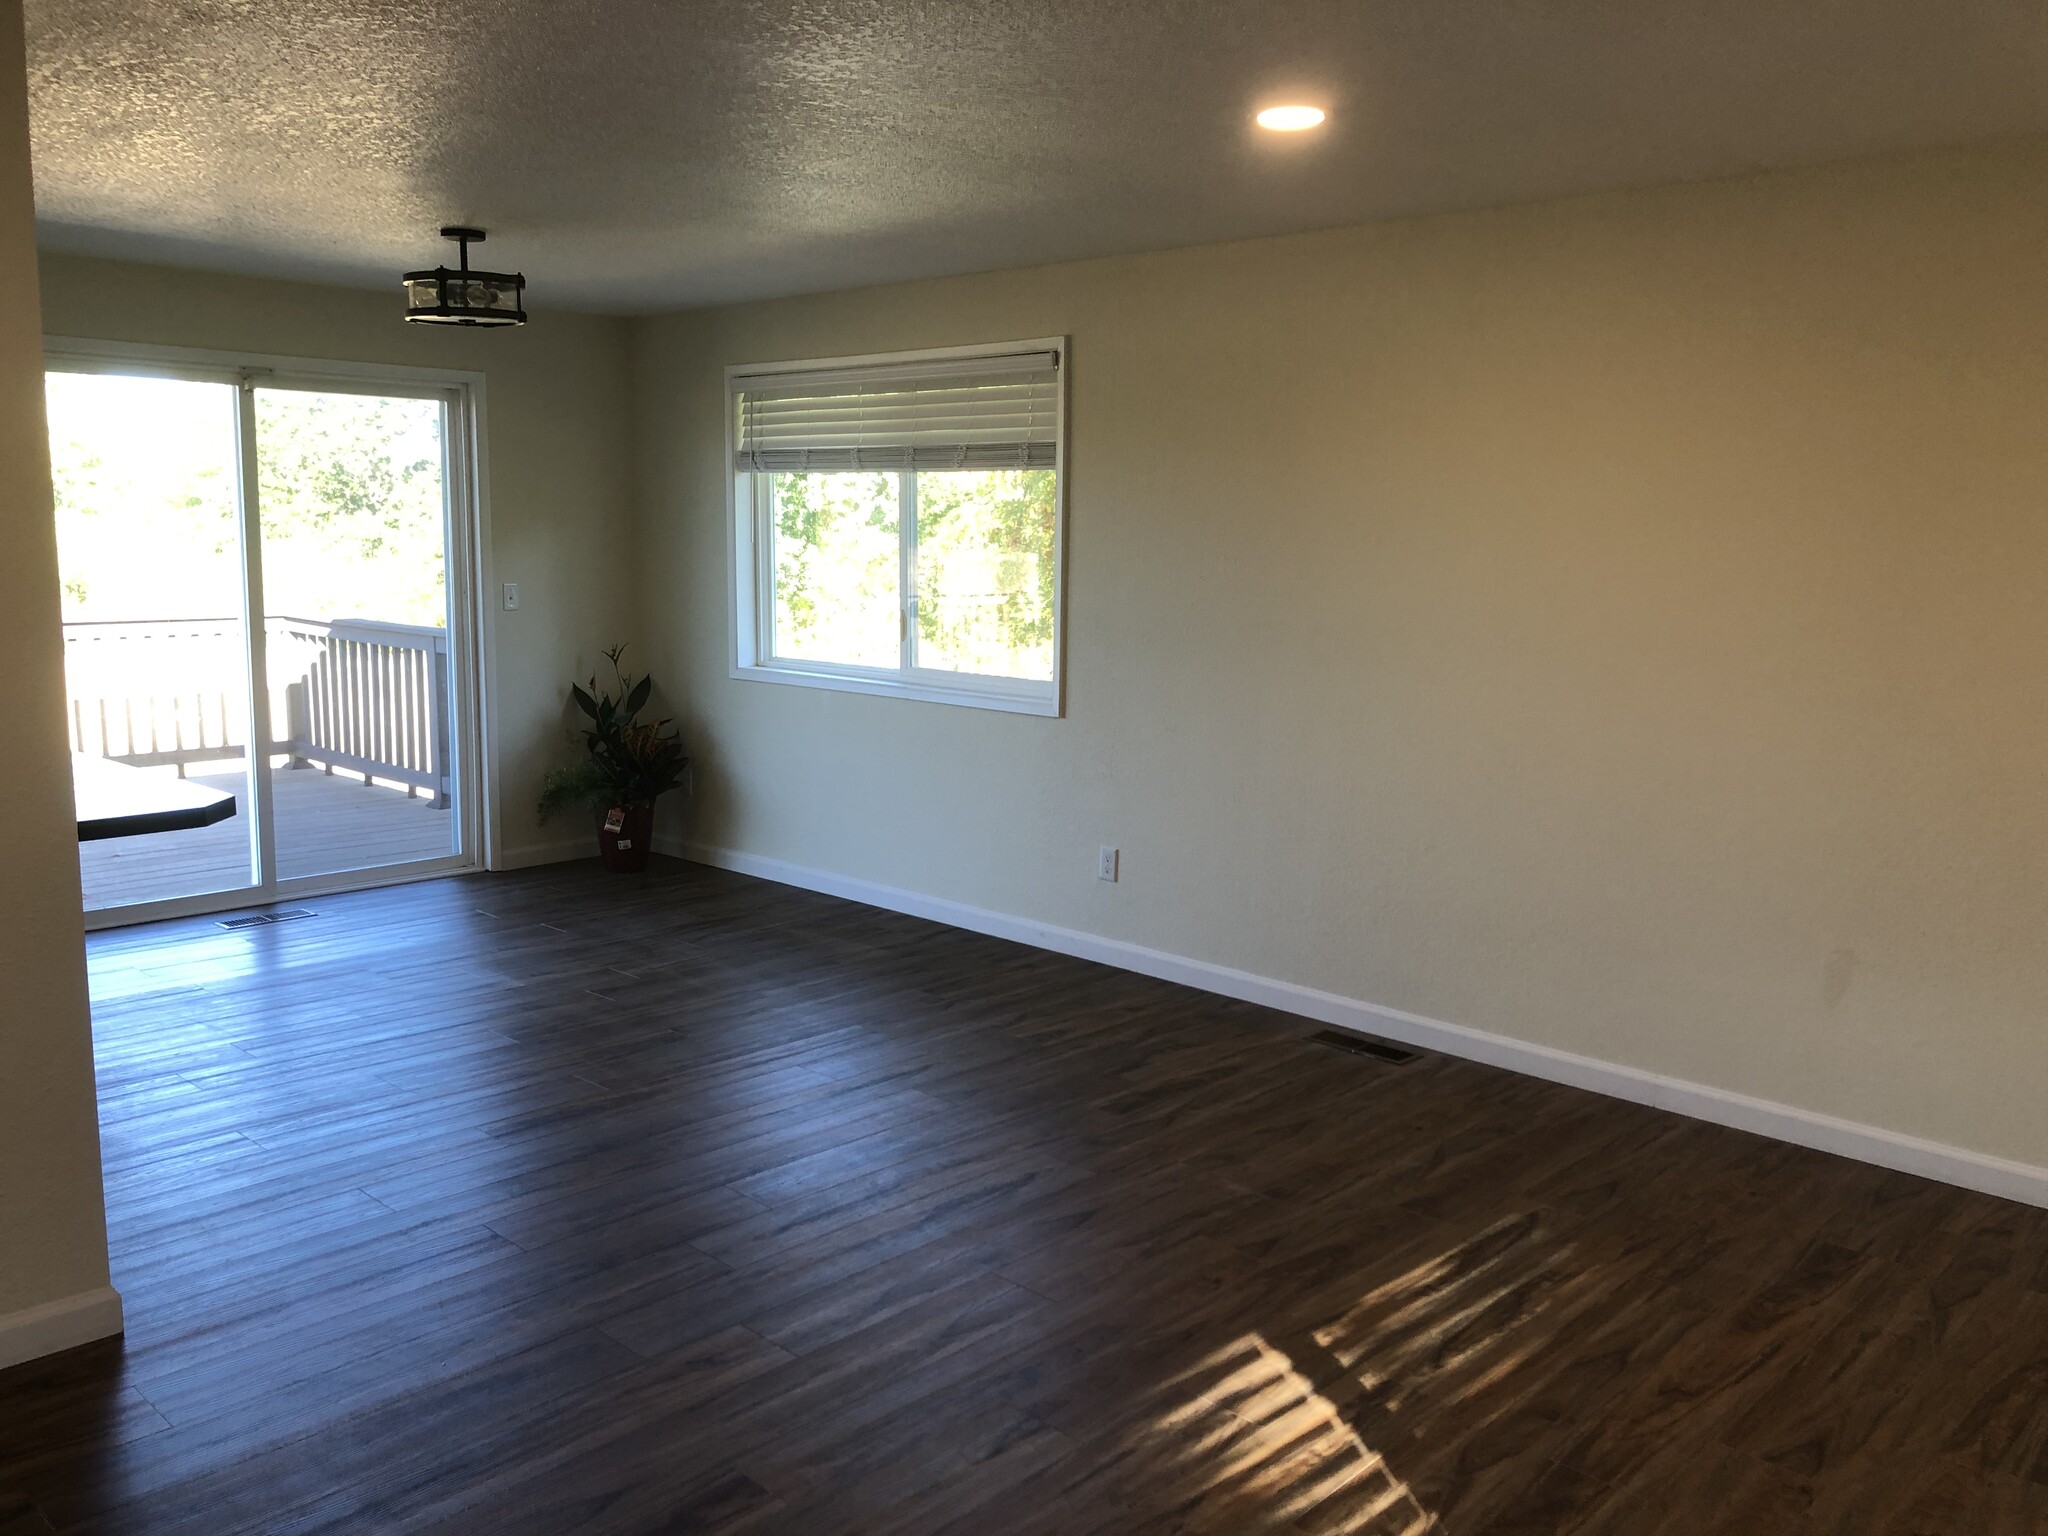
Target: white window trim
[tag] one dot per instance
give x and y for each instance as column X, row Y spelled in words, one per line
column 750, row 579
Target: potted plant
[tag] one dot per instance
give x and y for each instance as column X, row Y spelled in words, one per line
column 627, row 764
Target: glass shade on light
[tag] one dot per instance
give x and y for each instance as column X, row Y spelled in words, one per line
column 446, row 296
column 460, row 296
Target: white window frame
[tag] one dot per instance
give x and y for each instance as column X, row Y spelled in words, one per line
column 750, row 556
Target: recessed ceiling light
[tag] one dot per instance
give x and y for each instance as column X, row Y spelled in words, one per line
column 1290, row 119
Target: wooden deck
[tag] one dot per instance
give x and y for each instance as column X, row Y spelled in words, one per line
column 324, row 824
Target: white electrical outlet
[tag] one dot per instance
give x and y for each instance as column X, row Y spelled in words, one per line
column 1105, row 863
column 511, row 597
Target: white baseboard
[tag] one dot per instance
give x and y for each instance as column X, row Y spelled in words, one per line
column 1802, row 1127
column 63, row 1324
column 560, row 851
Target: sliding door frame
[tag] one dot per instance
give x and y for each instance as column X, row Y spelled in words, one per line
column 467, row 558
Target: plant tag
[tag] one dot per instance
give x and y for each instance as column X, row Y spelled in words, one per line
column 615, row 818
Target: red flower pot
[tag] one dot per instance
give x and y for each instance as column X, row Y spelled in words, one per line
column 625, row 835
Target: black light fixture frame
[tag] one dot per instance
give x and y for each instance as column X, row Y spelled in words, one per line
column 444, row 313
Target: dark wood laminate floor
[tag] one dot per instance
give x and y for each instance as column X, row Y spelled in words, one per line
column 556, row 1202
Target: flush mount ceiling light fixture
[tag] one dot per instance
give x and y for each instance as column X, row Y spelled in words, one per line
column 1290, row 119
column 446, row 296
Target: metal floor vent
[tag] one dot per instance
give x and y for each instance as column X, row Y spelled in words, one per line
column 264, row 919
column 1365, row 1045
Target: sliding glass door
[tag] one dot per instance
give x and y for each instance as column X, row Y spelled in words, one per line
column 155, row 650
column 273, row 559
column 354, row 496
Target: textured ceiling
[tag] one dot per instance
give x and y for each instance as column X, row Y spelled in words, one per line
column 647, row 154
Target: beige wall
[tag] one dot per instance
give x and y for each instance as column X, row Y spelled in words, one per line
column 53, row 1242
column 1616, row 625
column 556, row 428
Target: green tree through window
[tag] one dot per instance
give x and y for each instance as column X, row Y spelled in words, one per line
column 985, row 570
column 351, row 487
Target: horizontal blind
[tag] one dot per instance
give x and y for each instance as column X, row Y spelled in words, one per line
column 999, row 412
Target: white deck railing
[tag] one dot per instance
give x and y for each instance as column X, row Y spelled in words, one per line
column 353, row 694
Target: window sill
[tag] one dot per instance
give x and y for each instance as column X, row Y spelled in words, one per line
column 1019, row 699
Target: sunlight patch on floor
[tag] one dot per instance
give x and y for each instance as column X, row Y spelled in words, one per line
column 1261, row 1433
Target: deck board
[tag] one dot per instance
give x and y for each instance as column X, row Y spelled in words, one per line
column 324, row 824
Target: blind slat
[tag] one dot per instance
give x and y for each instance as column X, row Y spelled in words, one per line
column 829, row 461
column 935, row 407
column 996, row 412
